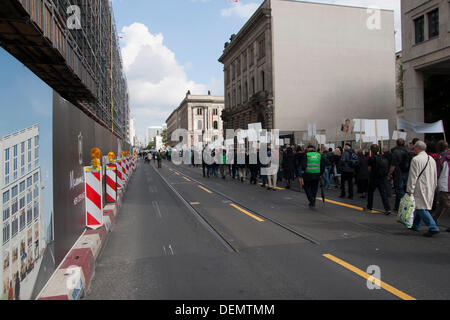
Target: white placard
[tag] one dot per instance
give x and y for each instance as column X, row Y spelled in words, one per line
column 359, row 125
column 287, row 141
column 314, row 133
column 383, row 129
column 310, row 130
column 399, row 135
column 321, row 139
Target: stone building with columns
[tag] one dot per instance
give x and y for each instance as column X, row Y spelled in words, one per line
column 200, row 115
column 426, row 59
column 296, row 63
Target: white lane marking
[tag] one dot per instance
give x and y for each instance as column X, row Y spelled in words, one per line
column 156, row 207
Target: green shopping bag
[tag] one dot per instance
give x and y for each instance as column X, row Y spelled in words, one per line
column 406, row 210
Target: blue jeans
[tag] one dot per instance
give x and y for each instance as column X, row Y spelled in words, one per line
column 265, row 180
column 326, row 176
column 424, row 215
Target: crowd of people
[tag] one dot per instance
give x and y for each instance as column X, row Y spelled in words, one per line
column 418, row 169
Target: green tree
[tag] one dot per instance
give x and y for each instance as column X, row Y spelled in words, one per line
column 164, row 137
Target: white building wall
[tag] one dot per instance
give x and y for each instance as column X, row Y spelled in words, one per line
column 22, row 225
column 329, row 66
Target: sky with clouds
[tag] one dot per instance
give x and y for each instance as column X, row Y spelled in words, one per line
column 171, row 46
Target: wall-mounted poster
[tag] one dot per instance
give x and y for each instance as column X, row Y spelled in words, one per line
column 26, row 180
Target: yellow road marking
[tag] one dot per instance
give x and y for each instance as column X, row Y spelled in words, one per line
column 177, row 173
column 275, row 187
column 246, row 212
column 347, row 205
column 203, row 188
column 187, row 179
column 194, row 203
column 365, row 275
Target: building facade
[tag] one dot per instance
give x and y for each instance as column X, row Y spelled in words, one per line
column 426, row 52
column 22, row 225
column 298, row 63
column 200, row 115
column 132, row 136
column 152, row 132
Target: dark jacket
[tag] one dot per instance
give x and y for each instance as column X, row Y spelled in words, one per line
column 362, row 170
column 348, row 163
column 401, row 158
column 289, row 164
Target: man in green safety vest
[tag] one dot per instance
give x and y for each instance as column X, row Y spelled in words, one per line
column 312, row 169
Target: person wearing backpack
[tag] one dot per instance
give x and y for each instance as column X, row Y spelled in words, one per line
column 327, row 158
column 349, row 161
column 443, row 174
column 399, row 170
column 378, row 174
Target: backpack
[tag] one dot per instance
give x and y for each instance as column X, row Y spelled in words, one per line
column 407, row 157
column 381, row 166
column 326, row 157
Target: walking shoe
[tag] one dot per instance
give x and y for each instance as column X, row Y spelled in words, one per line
column 429, row 234
column 274, row 189
column 414, row 229
column 387, row 213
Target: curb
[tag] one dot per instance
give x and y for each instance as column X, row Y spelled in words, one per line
column 73, row 277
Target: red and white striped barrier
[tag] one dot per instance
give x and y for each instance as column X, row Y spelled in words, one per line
column 94, row 199
column 119, row 174
column 111, row 183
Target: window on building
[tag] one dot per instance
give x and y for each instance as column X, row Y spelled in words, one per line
column 7, row 168
column 215, row 112
column 22, row 147
column 263, row 81
column 14, row 192
column 36, row 153
column 240, row 95
column 238, row 66
column 246, row 91
column 22, row 203
column 29, row 215
column 234, row 97
column 6, row 233
column 5, row 197
column 35, row 192
column 199, row 111
column 215, row 125
column 36, row 210
column 36, row 141
column 252, row 55
column 14, row 207
column 233, row 74
column 22, row 220
column 29, row 197
column 199, row 125
column 262, row 48
column 35, row 177
column 22, row 187
column 6, row 214
column 15, row 150
column 419, row 25
column 227, row 78
column 14, row 227
column 244, row 61
column 253, row 85
column 433, row 23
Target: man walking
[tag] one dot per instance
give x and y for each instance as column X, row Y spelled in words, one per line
column 312, row 169
column 443, row 176
column 422, row 182
column 159, row 159
column 401, row 160
column 349, row 161
column 378, row 172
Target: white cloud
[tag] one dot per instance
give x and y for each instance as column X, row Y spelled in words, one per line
column 240, row 10
column 157, row 82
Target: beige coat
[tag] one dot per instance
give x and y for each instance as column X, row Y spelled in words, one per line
column 424, row 188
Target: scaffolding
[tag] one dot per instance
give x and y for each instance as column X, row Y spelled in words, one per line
column 83, row 65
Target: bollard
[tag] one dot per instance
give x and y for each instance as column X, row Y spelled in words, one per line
column 93, row 191
column 111, row 179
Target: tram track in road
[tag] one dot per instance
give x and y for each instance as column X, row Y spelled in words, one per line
column 200, row 217
column 251, row 211
column 334, row 217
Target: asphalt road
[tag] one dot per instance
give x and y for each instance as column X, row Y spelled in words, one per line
column 181, row 236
